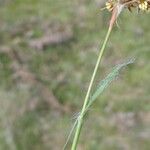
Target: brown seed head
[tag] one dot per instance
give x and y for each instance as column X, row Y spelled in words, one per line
column 116, row 6
column 139, row 4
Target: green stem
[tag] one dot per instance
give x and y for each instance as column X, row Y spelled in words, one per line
column 80, row 118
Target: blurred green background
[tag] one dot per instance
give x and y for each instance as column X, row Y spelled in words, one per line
column 48, row 49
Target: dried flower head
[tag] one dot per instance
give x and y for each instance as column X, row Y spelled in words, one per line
column 116, row 6
column 143, row 5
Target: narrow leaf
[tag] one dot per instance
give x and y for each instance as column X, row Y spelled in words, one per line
column 107, row 81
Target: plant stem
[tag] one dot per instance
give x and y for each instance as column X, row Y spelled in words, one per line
column 80, row 118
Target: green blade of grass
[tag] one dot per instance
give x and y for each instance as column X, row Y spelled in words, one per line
column 107, row 81
column 100, row 89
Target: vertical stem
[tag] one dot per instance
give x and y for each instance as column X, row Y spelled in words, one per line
column 80, row 118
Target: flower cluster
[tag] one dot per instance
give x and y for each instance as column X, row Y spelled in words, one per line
column 143, row 5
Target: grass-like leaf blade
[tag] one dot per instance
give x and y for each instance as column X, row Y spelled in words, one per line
column 107, row 81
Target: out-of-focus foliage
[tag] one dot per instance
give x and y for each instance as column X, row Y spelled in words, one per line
column 47, row 53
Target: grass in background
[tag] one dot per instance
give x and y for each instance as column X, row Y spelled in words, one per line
column 126, row 101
